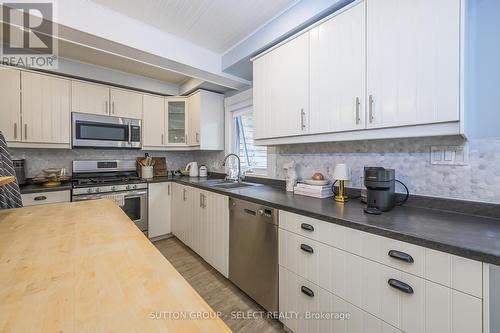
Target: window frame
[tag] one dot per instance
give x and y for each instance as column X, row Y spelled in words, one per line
column 239, row 104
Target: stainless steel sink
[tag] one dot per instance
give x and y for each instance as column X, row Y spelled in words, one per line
column 231, row 185
column 225, row 184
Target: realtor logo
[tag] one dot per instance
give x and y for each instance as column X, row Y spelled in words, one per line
column 28, row 34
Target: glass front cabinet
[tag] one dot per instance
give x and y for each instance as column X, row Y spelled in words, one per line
column 176, row 120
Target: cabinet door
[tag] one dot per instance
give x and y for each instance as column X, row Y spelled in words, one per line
column 176, row 121
column 211, row 121
column 287, row 89
column 198, row 220
column 413, row 52
column 153, row 121
column 45, row 108
column 216, row 229
column 177, row 210
column 159, row 206
column 89, row 98
column 10, row 95
column 260, row 111
column 194, row 107
column 337, row 85
column 126, row 104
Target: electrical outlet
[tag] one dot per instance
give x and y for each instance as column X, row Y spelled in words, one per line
column 450, row 155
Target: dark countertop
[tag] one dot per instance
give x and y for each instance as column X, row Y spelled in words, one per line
column 469, row 236
column 36, row 188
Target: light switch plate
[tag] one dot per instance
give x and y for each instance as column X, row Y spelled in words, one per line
column 450, row 155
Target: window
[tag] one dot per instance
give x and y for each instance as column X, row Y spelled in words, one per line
column 253, row 158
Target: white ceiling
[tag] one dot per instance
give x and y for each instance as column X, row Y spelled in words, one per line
column 213, row 24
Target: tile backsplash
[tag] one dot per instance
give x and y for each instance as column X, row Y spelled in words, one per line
column 39, row 159
column 479, row 180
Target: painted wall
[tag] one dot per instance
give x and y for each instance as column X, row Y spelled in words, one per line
column 483, row 69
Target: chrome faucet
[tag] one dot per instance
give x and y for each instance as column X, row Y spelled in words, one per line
column 239, row 165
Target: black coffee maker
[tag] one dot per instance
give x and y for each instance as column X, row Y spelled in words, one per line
column 380, row 190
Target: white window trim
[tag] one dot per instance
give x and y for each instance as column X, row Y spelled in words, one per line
column 240, row 103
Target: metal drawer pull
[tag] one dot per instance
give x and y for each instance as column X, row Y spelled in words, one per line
column 370, row 102
column 40, row 198
column 400, row 286
column 306, row 248
column 307, row 291
column 358, row 119
column 307, row 227
column 302, row 121
column 401, row 256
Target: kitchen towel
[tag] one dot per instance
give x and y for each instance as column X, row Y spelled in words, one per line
column 10, row 196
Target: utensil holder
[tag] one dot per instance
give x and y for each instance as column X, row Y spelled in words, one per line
column 147, row 172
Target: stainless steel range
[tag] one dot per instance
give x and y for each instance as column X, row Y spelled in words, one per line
column 114, row 179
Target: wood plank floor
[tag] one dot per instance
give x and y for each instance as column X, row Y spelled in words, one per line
column 222, row 295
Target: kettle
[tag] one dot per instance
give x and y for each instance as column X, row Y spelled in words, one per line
column 192, row 168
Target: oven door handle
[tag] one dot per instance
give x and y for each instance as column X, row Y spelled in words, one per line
column 128, row 195
column 129, row 133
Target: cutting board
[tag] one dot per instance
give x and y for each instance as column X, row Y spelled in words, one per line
column 159, row 169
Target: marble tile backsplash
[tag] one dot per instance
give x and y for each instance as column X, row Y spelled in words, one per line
column 477, row 181
column 39, row 159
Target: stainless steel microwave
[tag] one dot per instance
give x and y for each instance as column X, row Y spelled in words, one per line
column 91, row 131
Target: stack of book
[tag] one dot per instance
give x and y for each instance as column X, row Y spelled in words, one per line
column 316, row 191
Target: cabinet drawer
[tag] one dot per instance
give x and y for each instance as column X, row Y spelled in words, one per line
column 309, row 308
column 452, row 271
column 33, row 199
column 408, row 302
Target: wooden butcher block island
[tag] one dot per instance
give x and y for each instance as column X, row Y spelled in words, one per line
column 85, row 267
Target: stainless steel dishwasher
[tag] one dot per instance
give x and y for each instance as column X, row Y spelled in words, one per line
column 253, row 251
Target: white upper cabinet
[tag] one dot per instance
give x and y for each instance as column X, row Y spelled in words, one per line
column 283, row 102
column 413, row 53
column 89, row 98
column 376, row 69
column 337, row 85
column 45, row 109
column 153, row 134
column 126, row 103
column 10, row 97
column 177, row 120
column 206, row 120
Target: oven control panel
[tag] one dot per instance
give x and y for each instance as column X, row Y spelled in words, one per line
column 109, row 188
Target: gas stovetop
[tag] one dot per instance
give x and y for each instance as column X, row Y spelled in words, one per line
column 102, row 180
column 105, row 176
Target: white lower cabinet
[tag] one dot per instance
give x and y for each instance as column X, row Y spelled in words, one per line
column 308, row 308
column 200, row 219
column 398, row 299
column 159, row 209
column 44, row 198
